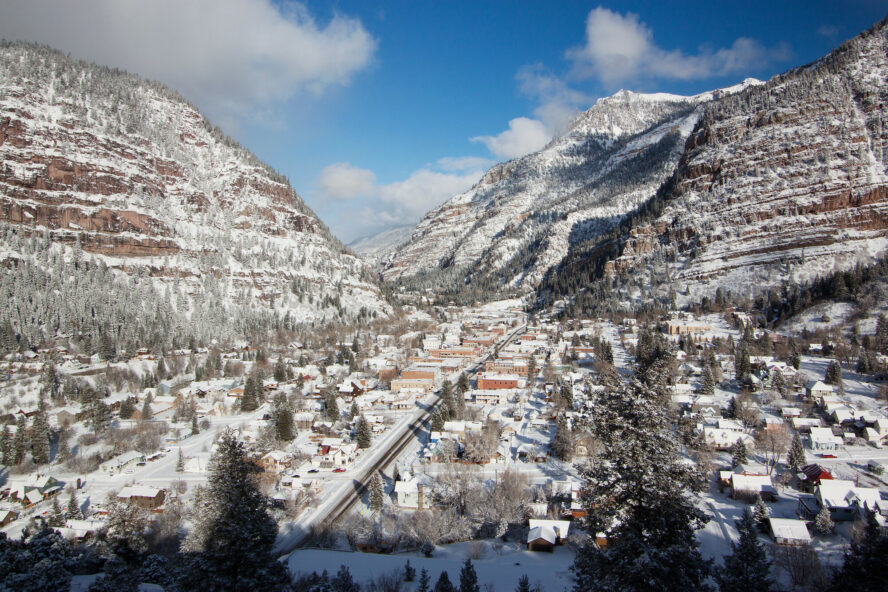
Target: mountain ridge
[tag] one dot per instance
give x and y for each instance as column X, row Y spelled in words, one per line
column 104, row 167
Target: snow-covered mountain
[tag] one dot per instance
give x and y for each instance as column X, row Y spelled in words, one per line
column 122, row 206
column 777, row 185
column 522, row 217
column 374, row 249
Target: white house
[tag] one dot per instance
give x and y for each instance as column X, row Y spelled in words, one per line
column 823, row 439
column 787, row 531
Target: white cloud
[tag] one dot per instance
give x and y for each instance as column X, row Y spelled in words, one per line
column 524, row 136
column 464, row 163
column 233, row 58
column 343, row 181
column 423, row 190
column 400, row 202
column 558, row 103
column 621, row 48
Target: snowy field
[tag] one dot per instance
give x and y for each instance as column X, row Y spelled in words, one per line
column 500, row 564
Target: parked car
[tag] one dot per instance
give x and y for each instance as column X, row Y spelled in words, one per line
column 338, row 470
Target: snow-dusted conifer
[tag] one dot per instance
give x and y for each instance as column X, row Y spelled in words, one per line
column 760, row 513
column 229, row 546
column 72, row 510
column 738, row 453
column 823, row 522
column 56, row 516
column 362, row 432
column 746, row 568
column 377, row 495
column 795, row 458
column 468, row 579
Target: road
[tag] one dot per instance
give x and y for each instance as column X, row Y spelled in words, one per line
column 380, row 456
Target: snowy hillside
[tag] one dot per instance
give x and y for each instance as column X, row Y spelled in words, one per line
column 523, row 216
column 779, row 184
column 114, row 190
column 377, row 247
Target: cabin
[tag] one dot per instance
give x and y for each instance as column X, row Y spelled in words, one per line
column 149, row 498
column 545, row 534
column 7, row 516
column 789, row 532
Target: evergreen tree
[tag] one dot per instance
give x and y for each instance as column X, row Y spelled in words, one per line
column 127, row 408
column 284, row 426
column 353, row 411
column 881, row 338
column 563, row 443
column 125, row 525
column 462, row 383
column 147, row 413
column 409, row 572
column 523, row 584
column 823, row 522
column 707, row 382
column 180, row 462
column 864, row 565
column 280, row 371
column 343, row 581
column 834, row 376
column 40, row 436
column 738, row 453
column 229, row 546
column 56, row 516
column 778, row 383
column 795, row 458
column 63, row 453
column 20, row 441
column 606, row 352
column 443, row 584
column 195, row 429
column 760, row 513
column 362, row 432
column 448, row 404
column 424, row 581
column 468, row 579
column 72, row 510
column 747, row 568
column 377, row 495
column 250, row 398
column 6, row 446
column 742, row 365
column 833, row 373
column 641, row 495
column 331, row 407
column 436, row 423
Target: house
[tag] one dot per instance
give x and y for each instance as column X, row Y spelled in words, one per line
column 788, row 531
column 120, row 462
column 545, row 534
column 748, row 486
column 814, row 474
column 845, row 501
column 7, row 516
column 275, row 461
column 409, row 494
column 149, row 498
column 823, row 439
column 722, row 439
column 819, row 388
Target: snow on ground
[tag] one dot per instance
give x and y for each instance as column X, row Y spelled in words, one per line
column 500, row 564
column 826, row 315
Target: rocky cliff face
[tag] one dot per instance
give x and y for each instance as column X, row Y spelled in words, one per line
column 779, row 184
column 523, row 216
column 110, row 169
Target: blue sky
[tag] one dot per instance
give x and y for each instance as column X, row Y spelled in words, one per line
column 378, row 111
